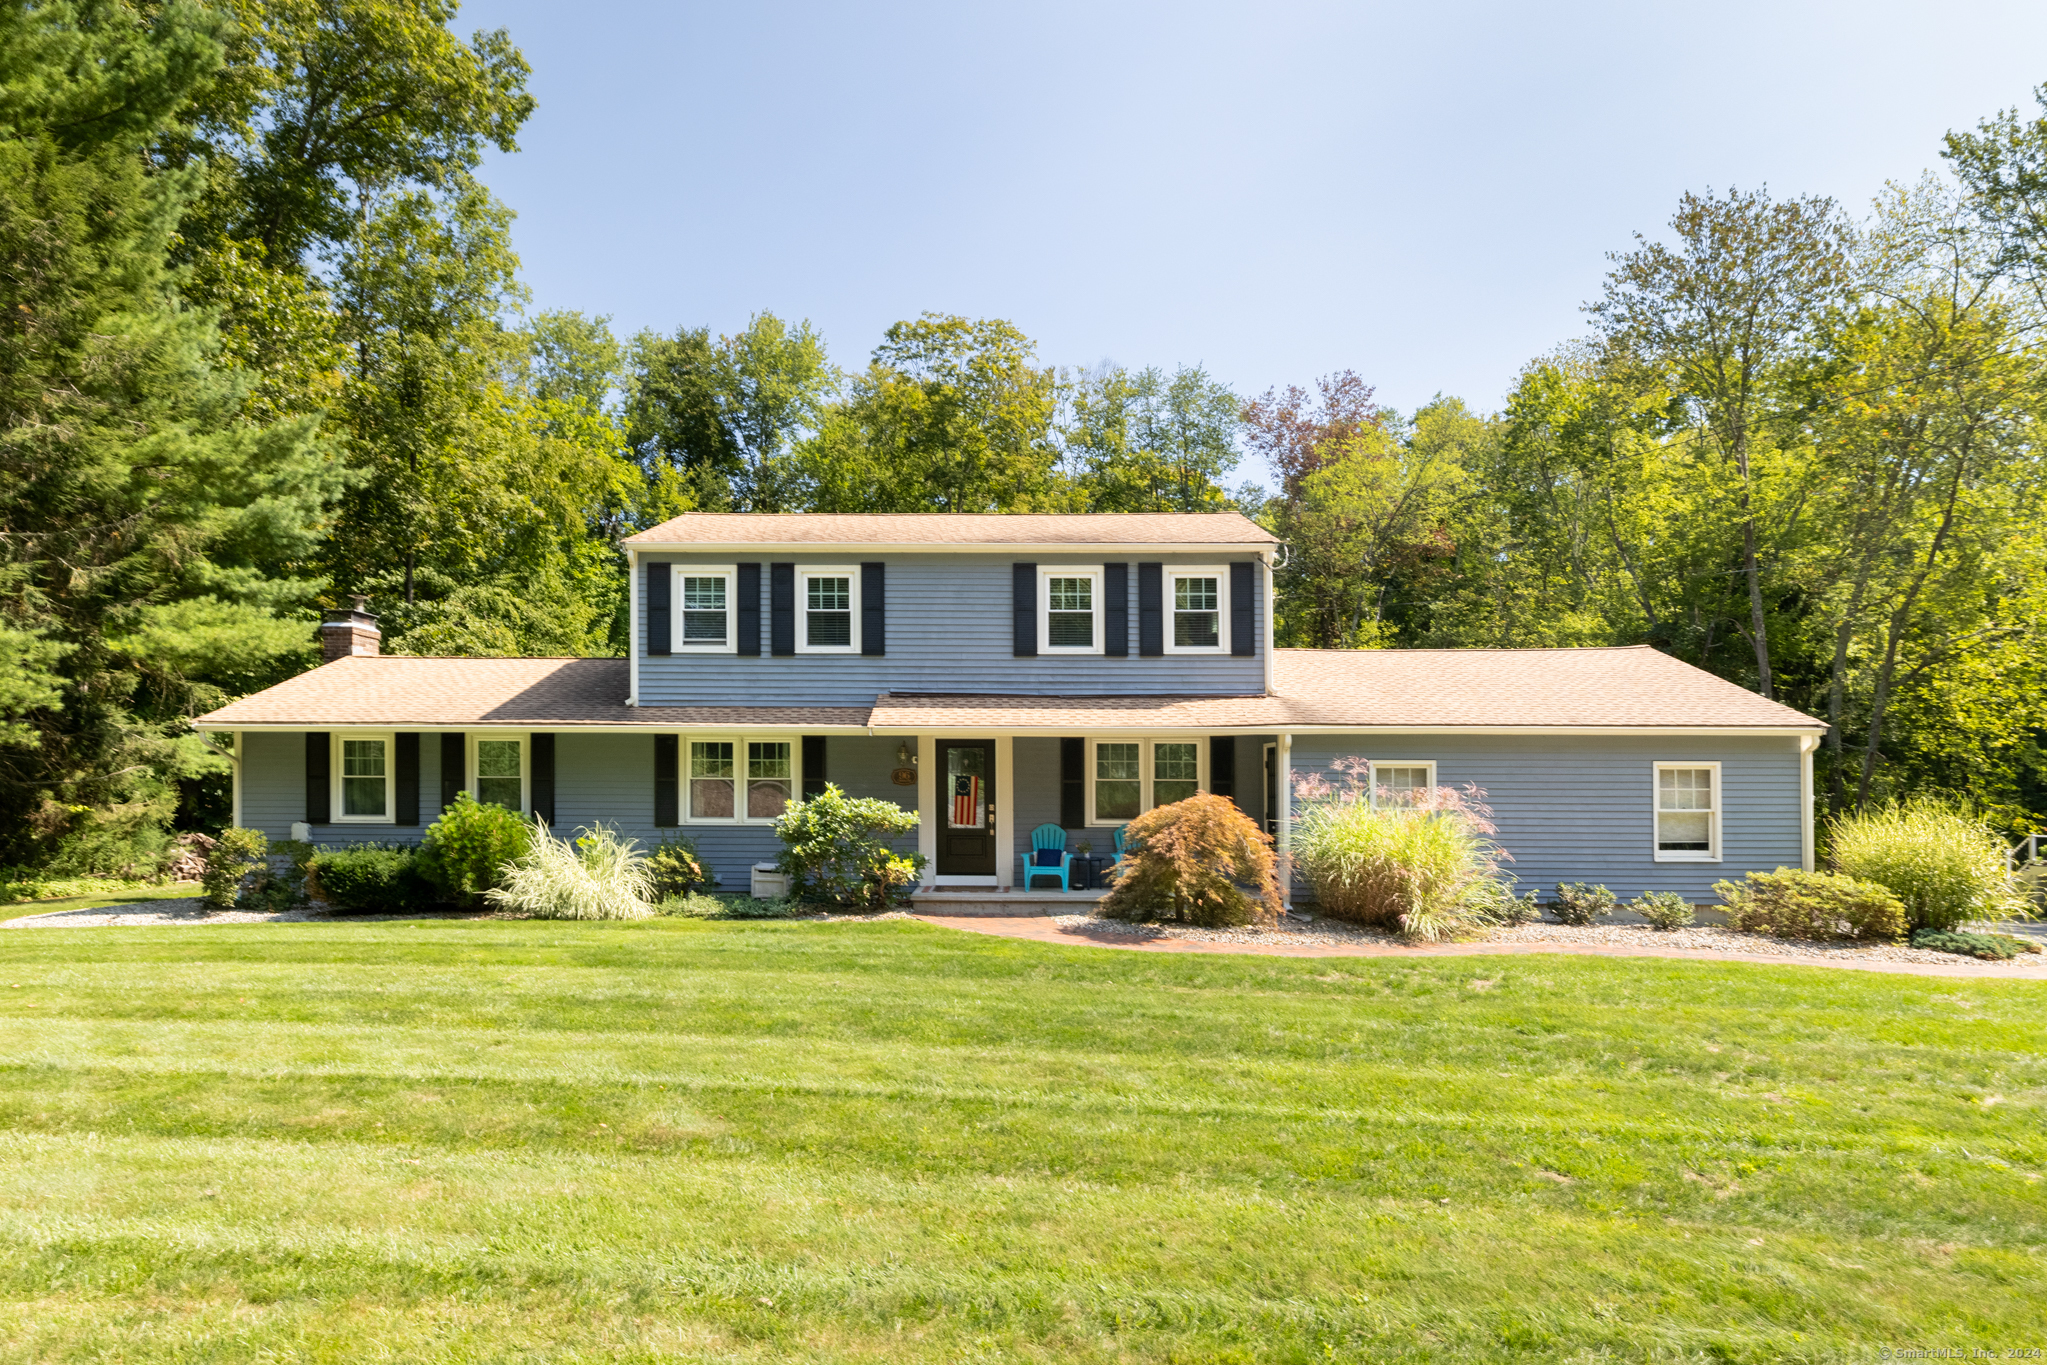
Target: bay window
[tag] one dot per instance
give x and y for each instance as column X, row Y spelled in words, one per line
column 1687, row 812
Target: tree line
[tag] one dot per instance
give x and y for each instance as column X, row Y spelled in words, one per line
column 263, row 344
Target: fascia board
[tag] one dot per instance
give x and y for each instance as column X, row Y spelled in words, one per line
column 1063, row 728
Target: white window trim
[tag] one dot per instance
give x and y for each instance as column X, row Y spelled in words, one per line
column 472, row 783
column 1147, row 769
column 1221, row 575
column 728, row 572
column 1712, row 855
column 334, row 768
column 1048, row 572
column 739, row 776
column 806, row 572
column 1378, row 763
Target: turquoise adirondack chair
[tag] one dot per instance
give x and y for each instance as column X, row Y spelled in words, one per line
column 1049, row 839
column 1119, row 843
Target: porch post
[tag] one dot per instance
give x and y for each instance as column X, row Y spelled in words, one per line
column 927, row 806
column 234, row 776
column 1284, row 755
column 1005, row 812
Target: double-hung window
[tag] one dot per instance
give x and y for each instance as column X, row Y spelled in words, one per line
column 1198, row 602
column 828, row 600
column 1127, row 777
column 499, row 765
column 1070, row 610
column 707, row 599
column 1687, row 812
column 737, row 779
column 363, row 774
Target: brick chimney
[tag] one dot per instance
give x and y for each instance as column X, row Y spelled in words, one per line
column 349, row 632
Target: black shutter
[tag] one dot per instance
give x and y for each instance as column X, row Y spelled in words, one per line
column 666, row 806
column 1243, row 631
column 405, row 768
column 1222, row 765
column 454, row 758
column 659, row 633
column 1023, row 592
column 1073, row 783
column 1151, row 610
column 749, row 638
column 873, row 609
column 319, row 791
column 542, row 770
column 1116, row 610
column 813, row 766
column 782, row 608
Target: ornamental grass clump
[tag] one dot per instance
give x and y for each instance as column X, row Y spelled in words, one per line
column 1421, row 862
column 598, row 876
column 1944, row 863
column 1201, row 861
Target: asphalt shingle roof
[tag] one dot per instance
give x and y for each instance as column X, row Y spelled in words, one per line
column 965, row 529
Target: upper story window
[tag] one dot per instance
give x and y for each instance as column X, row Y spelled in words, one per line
column 1687, row 812
column 365, row 774
column 1070, row 610
column 1199, row 602
column 829, row 600
column 706, row 598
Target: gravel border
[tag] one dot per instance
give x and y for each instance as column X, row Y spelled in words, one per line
column 1309, row 931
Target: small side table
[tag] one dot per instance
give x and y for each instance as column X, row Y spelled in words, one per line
column 1088, row 869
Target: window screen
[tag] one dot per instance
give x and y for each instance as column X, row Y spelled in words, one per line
column 704, row 610
column 1070, row 613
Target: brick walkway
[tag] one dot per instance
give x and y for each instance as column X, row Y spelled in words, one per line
column 1042, row 929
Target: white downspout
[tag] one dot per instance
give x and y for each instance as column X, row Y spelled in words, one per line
column 1284, row 756
column 1807, row 744
column 1265, row 559
column 632, row 624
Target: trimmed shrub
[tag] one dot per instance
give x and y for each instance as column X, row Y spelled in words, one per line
column 1792, row 903
column 1200, row 860
column 598, row 876
column 1579, row 904
column 1944, row 863
column 275, row 889
column 677, row 869
column 1991, row 947
column 465, row 849
column 1426, row 867
column 233, row 856
column 1665, row 910
column 362, row 879
column 835, row 850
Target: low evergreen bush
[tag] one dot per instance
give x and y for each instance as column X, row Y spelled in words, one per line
column 1944, row 863
column 1997, row 947
column 467, row 847
column 677, row 869
column 597, row 876
column 364, row 879
column 1200, row 860
column 1665, row 910
column 835, row 849
column 1792, row 903
column 1579, row 904
column 233, row 856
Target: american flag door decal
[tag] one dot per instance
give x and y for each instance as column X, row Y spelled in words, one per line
column 967, row 785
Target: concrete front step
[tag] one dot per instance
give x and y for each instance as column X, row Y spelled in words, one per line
column 1004, row 903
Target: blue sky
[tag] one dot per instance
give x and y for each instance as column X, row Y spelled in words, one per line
column 1423, row 193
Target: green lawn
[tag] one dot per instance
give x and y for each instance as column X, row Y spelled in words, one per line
column 497, row 1140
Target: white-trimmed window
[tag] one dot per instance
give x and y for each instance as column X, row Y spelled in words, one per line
column 1070, row 609
column 1127, row 777
column 734, row 779
column 1396, row 782
column 498, row 770
column 828, row 608
column 705, row 600
column 1197, row 610
column 1687, row 812
column 365, row 772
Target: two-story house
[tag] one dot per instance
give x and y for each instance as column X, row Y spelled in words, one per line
column 996, row 673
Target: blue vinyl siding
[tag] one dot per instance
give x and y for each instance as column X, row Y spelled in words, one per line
column 1579, row 809
column 274, row 791
column 950, row 629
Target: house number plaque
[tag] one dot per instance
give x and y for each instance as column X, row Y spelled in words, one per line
column 904, row 777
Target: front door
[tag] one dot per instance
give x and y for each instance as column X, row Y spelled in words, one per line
column 966, row 816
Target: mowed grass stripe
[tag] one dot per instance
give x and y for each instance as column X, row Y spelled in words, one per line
column 462, row 1141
